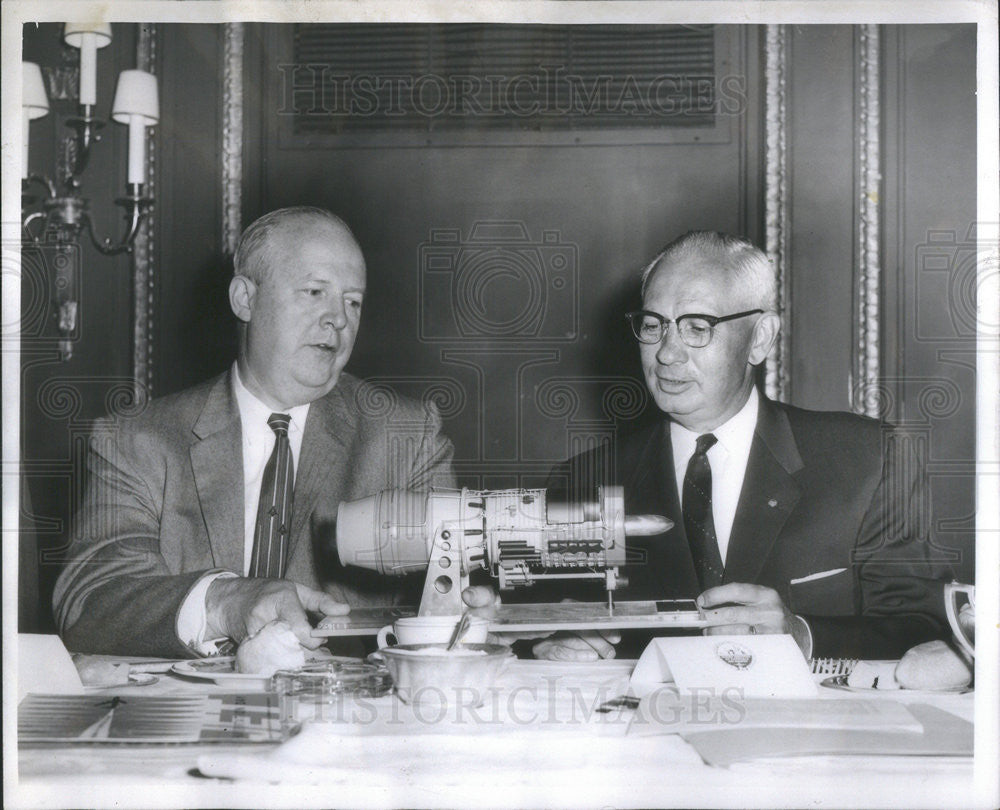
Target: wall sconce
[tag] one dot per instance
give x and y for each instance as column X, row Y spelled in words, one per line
column 136, row 104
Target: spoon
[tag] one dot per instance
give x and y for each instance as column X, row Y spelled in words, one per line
column 460, row 631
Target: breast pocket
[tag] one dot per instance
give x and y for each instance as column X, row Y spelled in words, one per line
column 824, row 593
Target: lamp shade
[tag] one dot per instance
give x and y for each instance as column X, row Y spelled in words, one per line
column 34, row 101
column 73, row 33
column 136, row 98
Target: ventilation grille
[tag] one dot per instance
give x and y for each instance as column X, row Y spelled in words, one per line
column 494, row 78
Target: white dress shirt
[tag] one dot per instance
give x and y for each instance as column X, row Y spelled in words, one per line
column 258, row 442
column 728, row 458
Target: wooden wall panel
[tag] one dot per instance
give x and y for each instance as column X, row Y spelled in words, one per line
column 927, row 146
column 821, row 138
column 929, row 360
column 194, row 331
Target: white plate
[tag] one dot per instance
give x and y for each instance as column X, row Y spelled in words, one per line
column 840, row 682
column 222, row 669
column 134, row 679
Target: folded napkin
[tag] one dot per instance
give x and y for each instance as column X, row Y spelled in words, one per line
column 44, row 666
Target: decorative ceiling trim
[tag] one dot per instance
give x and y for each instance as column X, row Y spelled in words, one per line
column 868, row 259
column 143, row 254
column 232, row 137
column 776, row 192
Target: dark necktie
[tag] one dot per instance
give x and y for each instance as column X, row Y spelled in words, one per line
column 698, row 521
column 274, row 511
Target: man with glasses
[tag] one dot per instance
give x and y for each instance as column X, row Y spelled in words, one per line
column 786, row 520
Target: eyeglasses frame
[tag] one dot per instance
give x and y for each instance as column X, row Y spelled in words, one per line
column 713, row 321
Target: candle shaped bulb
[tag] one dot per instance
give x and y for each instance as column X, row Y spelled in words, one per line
column 34, row 104
column 88, row 69
column 88, row 38
column 136, row 104
column 136, row 150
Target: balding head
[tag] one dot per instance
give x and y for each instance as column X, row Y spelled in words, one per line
column 258, row 246
column 751, row 273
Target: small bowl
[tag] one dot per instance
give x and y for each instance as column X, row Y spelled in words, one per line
column 427, row 673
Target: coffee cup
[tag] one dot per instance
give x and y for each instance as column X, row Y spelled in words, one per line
column 431, row 630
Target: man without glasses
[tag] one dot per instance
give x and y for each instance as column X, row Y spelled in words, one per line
column 211, row 513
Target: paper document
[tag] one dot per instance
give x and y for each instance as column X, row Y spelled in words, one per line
column 756, row 666
column 666, row 712
column 943, row 734
column 249, row 718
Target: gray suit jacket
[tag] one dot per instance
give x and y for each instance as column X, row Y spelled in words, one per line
column 164, row 506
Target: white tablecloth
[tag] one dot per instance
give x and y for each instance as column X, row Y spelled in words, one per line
column 539, row 743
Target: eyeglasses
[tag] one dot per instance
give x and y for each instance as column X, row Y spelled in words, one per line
column 694, row 329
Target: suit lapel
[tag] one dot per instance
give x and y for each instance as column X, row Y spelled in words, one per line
column 768, row 497
column 217, row 463
column 651, row 488
column 646, row 483
column 330, row 427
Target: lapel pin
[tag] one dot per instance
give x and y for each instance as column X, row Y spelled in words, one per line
column 772, row 503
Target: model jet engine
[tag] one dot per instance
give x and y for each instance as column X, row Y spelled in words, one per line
column 517, row 535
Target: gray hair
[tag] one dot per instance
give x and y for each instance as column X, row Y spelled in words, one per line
column 253, row 253
column 748, row 264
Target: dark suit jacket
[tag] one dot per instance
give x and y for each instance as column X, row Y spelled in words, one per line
column 822, row 491
column 164, row 506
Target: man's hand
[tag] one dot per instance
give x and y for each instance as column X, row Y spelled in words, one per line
column 237, row 607
column 738, row 608
column 590, row 645
column 481, row 600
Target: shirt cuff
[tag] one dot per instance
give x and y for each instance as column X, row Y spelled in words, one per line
column 806, row 638
column 192, row 618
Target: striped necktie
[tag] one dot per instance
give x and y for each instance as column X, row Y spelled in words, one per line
column 698, row 521
column 274, row 510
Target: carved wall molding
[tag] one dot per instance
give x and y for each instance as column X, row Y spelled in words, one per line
column 868, row 270
column 232, row 137
column 776, row 191
column 143, row 263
